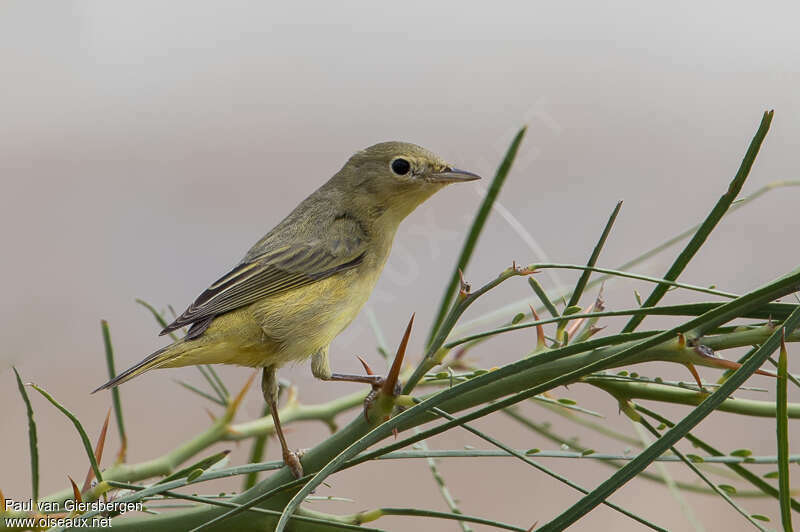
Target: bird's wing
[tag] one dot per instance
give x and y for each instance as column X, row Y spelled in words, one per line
column 275, row 270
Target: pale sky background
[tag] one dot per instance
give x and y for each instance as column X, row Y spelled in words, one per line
column 145, row 146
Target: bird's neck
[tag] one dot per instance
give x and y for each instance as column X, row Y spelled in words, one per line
column 387, row 213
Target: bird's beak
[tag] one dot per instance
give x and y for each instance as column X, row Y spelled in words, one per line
column 452, row 175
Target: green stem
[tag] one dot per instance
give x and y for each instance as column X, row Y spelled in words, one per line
column 475, row 230
column 670, row 394
column 115, row 397
column 711, row 221
column 734, row 466
column 589, row 502
column 221, row 430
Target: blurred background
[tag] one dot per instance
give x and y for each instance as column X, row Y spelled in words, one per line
column 145, row 146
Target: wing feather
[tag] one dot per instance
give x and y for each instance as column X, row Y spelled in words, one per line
column 277, row 269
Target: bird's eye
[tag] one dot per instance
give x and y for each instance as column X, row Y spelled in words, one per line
column 400, row 166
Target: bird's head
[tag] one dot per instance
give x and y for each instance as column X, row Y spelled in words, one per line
column 398, row 176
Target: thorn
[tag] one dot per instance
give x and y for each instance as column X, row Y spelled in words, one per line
column 98, row 451
column 599, row 303
column 234, row 405
column 770, row 323
column 573, row 328
column 76, row 493
column 594, row 330
column 723, row 363
column 533, row 526
column 366, row 366
column 681, row 341
column 123, row 450
column 210, row 414
column 540, row 341
column 464, row 288
column 394, row 372
column 712, row 360
column 783, row 342
column 395, row 432
column 696, row 376
column 291, row 394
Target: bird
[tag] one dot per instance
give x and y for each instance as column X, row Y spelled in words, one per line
column 305, row 281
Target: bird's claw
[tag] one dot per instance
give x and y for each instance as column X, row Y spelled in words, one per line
column 292, row 460
column 377, row 387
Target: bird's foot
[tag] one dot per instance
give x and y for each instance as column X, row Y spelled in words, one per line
column 377, row 387
column 388, row 386
column 292, row 460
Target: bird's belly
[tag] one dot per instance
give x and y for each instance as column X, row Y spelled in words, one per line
column 307, row 319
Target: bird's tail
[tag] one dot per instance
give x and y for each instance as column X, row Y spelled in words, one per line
column 165, row 357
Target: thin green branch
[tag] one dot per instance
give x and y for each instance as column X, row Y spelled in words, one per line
column 87, row 445
column 371, row 515
column 257, row 450
column 543, row 469
column 671, row 394
column 222, row 430
column 669, row 481
column 416, row 512
column 158, row 317
column 522, row 304
column 782, row 423
column 202, row 465
column 639, row 277
column 676, row 310
column 703, row 477
column 206, row 371
column 666, row 441
column 33, row 440
column 603, row 458
column 442, row 485
column 539, row 291
column 218, row 381
column 475, row 230
column 711, row 221
column 382, row 347
column 225, row 504
column 430, row 359
column 200, row 392
column 577, row 292
column 115, row 397
column 716, row 316
column 733, row 465
column 577, row 454
column 484, row 387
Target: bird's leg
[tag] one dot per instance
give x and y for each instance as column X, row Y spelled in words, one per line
column 374, row 380
column 390, row 385
column 321, row 369
column 269, row 386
